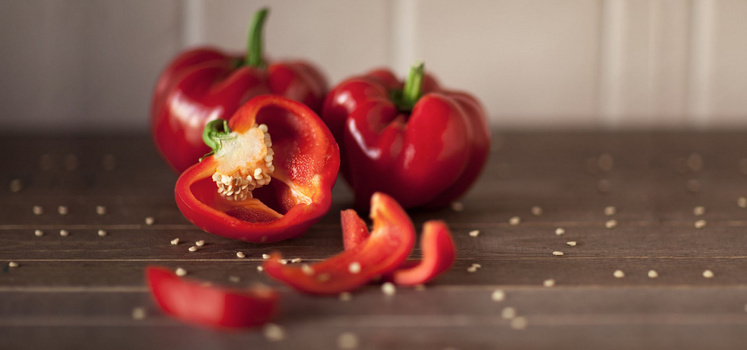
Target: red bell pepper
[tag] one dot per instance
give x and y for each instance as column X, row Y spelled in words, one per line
column 420, row 143
column 387, row 247
column 270, row 174
column 205, row 84
column 211, row 306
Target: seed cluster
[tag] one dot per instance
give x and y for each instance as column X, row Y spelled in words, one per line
column 238, row 186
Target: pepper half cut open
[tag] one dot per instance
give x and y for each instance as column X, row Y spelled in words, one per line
column 269, row 176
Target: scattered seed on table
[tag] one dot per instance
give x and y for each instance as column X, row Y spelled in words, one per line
column 37, row 210
column 700, row 224
column 514, row 221
column 388, row 288
column 571, row 243
column 610, row 210
column 101, row 233
column 346, row 296
column 175, row 241
column 307, row 269
column 549, row 282
column 273, row 332
column 471, row 269
column 192, row 249
column 265, row 256
column 347, row 340
column 457, row 206
column 62, row 210
column 100, row 209
column 234, row 279
column 742, row 202
column 474, row 233
column 508, row 312
column 708, row 274
column 354, row 267
column 476, row 265
column 284, row 261
column 610, row 224
column 652, row 274
column 557, row 253
column 16, row 185
column 260, row 268
column 38, row 233
column 150, row 220
column 618, row 274
column 559, row 231
column 240, row 255
column 420, row 287
column 180, row 272
column 536, row 210
column 519, row 323
column 498, row 295
column 699, row 210
column 138, row 313
column 12, row 264
column 64, row 233
column 200, row 243
column 296, row 260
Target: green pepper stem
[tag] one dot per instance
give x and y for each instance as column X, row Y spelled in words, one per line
column 254, row 40
column 216, row 131
column 413, row 85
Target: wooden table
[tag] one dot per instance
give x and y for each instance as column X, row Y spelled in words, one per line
column 84, row 291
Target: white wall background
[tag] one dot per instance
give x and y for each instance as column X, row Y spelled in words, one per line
column 92, row 64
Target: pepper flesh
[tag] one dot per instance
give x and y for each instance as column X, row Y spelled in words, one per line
column 387, row 247
column 354, row 229
column 205, row 84
column 210, row 306
column 387, row 147
column 306, row 161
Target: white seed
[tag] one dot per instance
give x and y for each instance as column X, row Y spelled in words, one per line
column 12, row 264
column 514, row 221
column 62, row 210
column 138, row 313
column 420, row 287
column 559, row 231
column 708, row 274
column 474, row 233
column 102, row 233
column 284, row 261
column 262, row 127
column 498, row 295
column 388, row 288
column 700, row 224
column 557, row 253
column 347, row 340
column 618, row 274
column 16, row 185
column 192, row 249
column 549, row 282
column 610, row 224
column 38, row 233
column 307, row 269
column 175, row 241
column 652, row 274
column 536, row 210
column 100, row 209
column 260, row 268
column 519, row 323
column 37, row 210
column 610, row 210
column 234, row 279
column 273, row 332
column 346, row 296
column 472, row 269
column 742, row 202
column 181, row 272
column 265, row 256
column 150, row 220
column 240, row 255
column 508, row 312
column 354, row 267
column 571, row 243
column 476, row 265
column 64, row 233
column 699, row 210
column 457, row 206
column 200, row 243
column 296, row 260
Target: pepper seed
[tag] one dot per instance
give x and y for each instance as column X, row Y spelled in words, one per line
column 307, row 269
column 536, row 210
column 347, row 340
column 265, row 256
column 354, row 267
column 652, row 274
column 240, row 255
column 559, row 231
column 150, row 220
column 345, row 296
column 175, row 241
column 571, row 243
column 296, row 260
column 514, row 221
column 508, row 312
column 37, row 210
column 549, row 283
column 62, row 210
column 200, row 243
column 618, row 274
column 234, row 279
column 708, row 274
column 498, row 295
column 610, row 224
column 138, row 313
column 700, row 224
column 192, row 249
column 102, row 233
column 474, row 233
column 557, row 253
column 101, row 210
column 38, row 233
column 181, row 272
column 519, row 323
column 12, row 264
column 273, row 332
column 610, row 210
column 260, row 268
column 699, row 210
column 388, row 288
column 742, row 202
column 64, row 233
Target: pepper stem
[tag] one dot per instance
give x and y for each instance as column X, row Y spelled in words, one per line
column 216, row 131
column 413, row 85
column 254, row 40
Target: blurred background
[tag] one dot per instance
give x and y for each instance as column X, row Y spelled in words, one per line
column 89, row 65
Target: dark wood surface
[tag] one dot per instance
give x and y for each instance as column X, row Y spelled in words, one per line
column 79, row 291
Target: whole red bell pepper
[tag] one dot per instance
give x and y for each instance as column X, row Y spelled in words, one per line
column 420, row 143
column 205, row 84
column 211, row 306
column 270, row 174
column 382, row 252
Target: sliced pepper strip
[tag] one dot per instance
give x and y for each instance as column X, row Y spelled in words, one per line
column 354, row 229
column 439, row 253
column 387, row 247
column 206, row 305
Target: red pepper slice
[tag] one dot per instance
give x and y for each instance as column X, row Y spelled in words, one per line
column 210, row 306
column 387, row 247
column 439, row 253
column 204, row 84
column 305, row 162
column 354, row 229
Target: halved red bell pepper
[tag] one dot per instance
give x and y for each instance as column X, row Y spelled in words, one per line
column 205, row 84
column 420, row 143
column 387, row 247
column 211, row 306
column 270, row 175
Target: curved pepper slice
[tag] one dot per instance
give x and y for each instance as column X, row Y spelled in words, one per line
column 204, row 84
column 354, row 229
column 210, row 306
column 270, row 176
column 420, row 143
column 387, row 247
